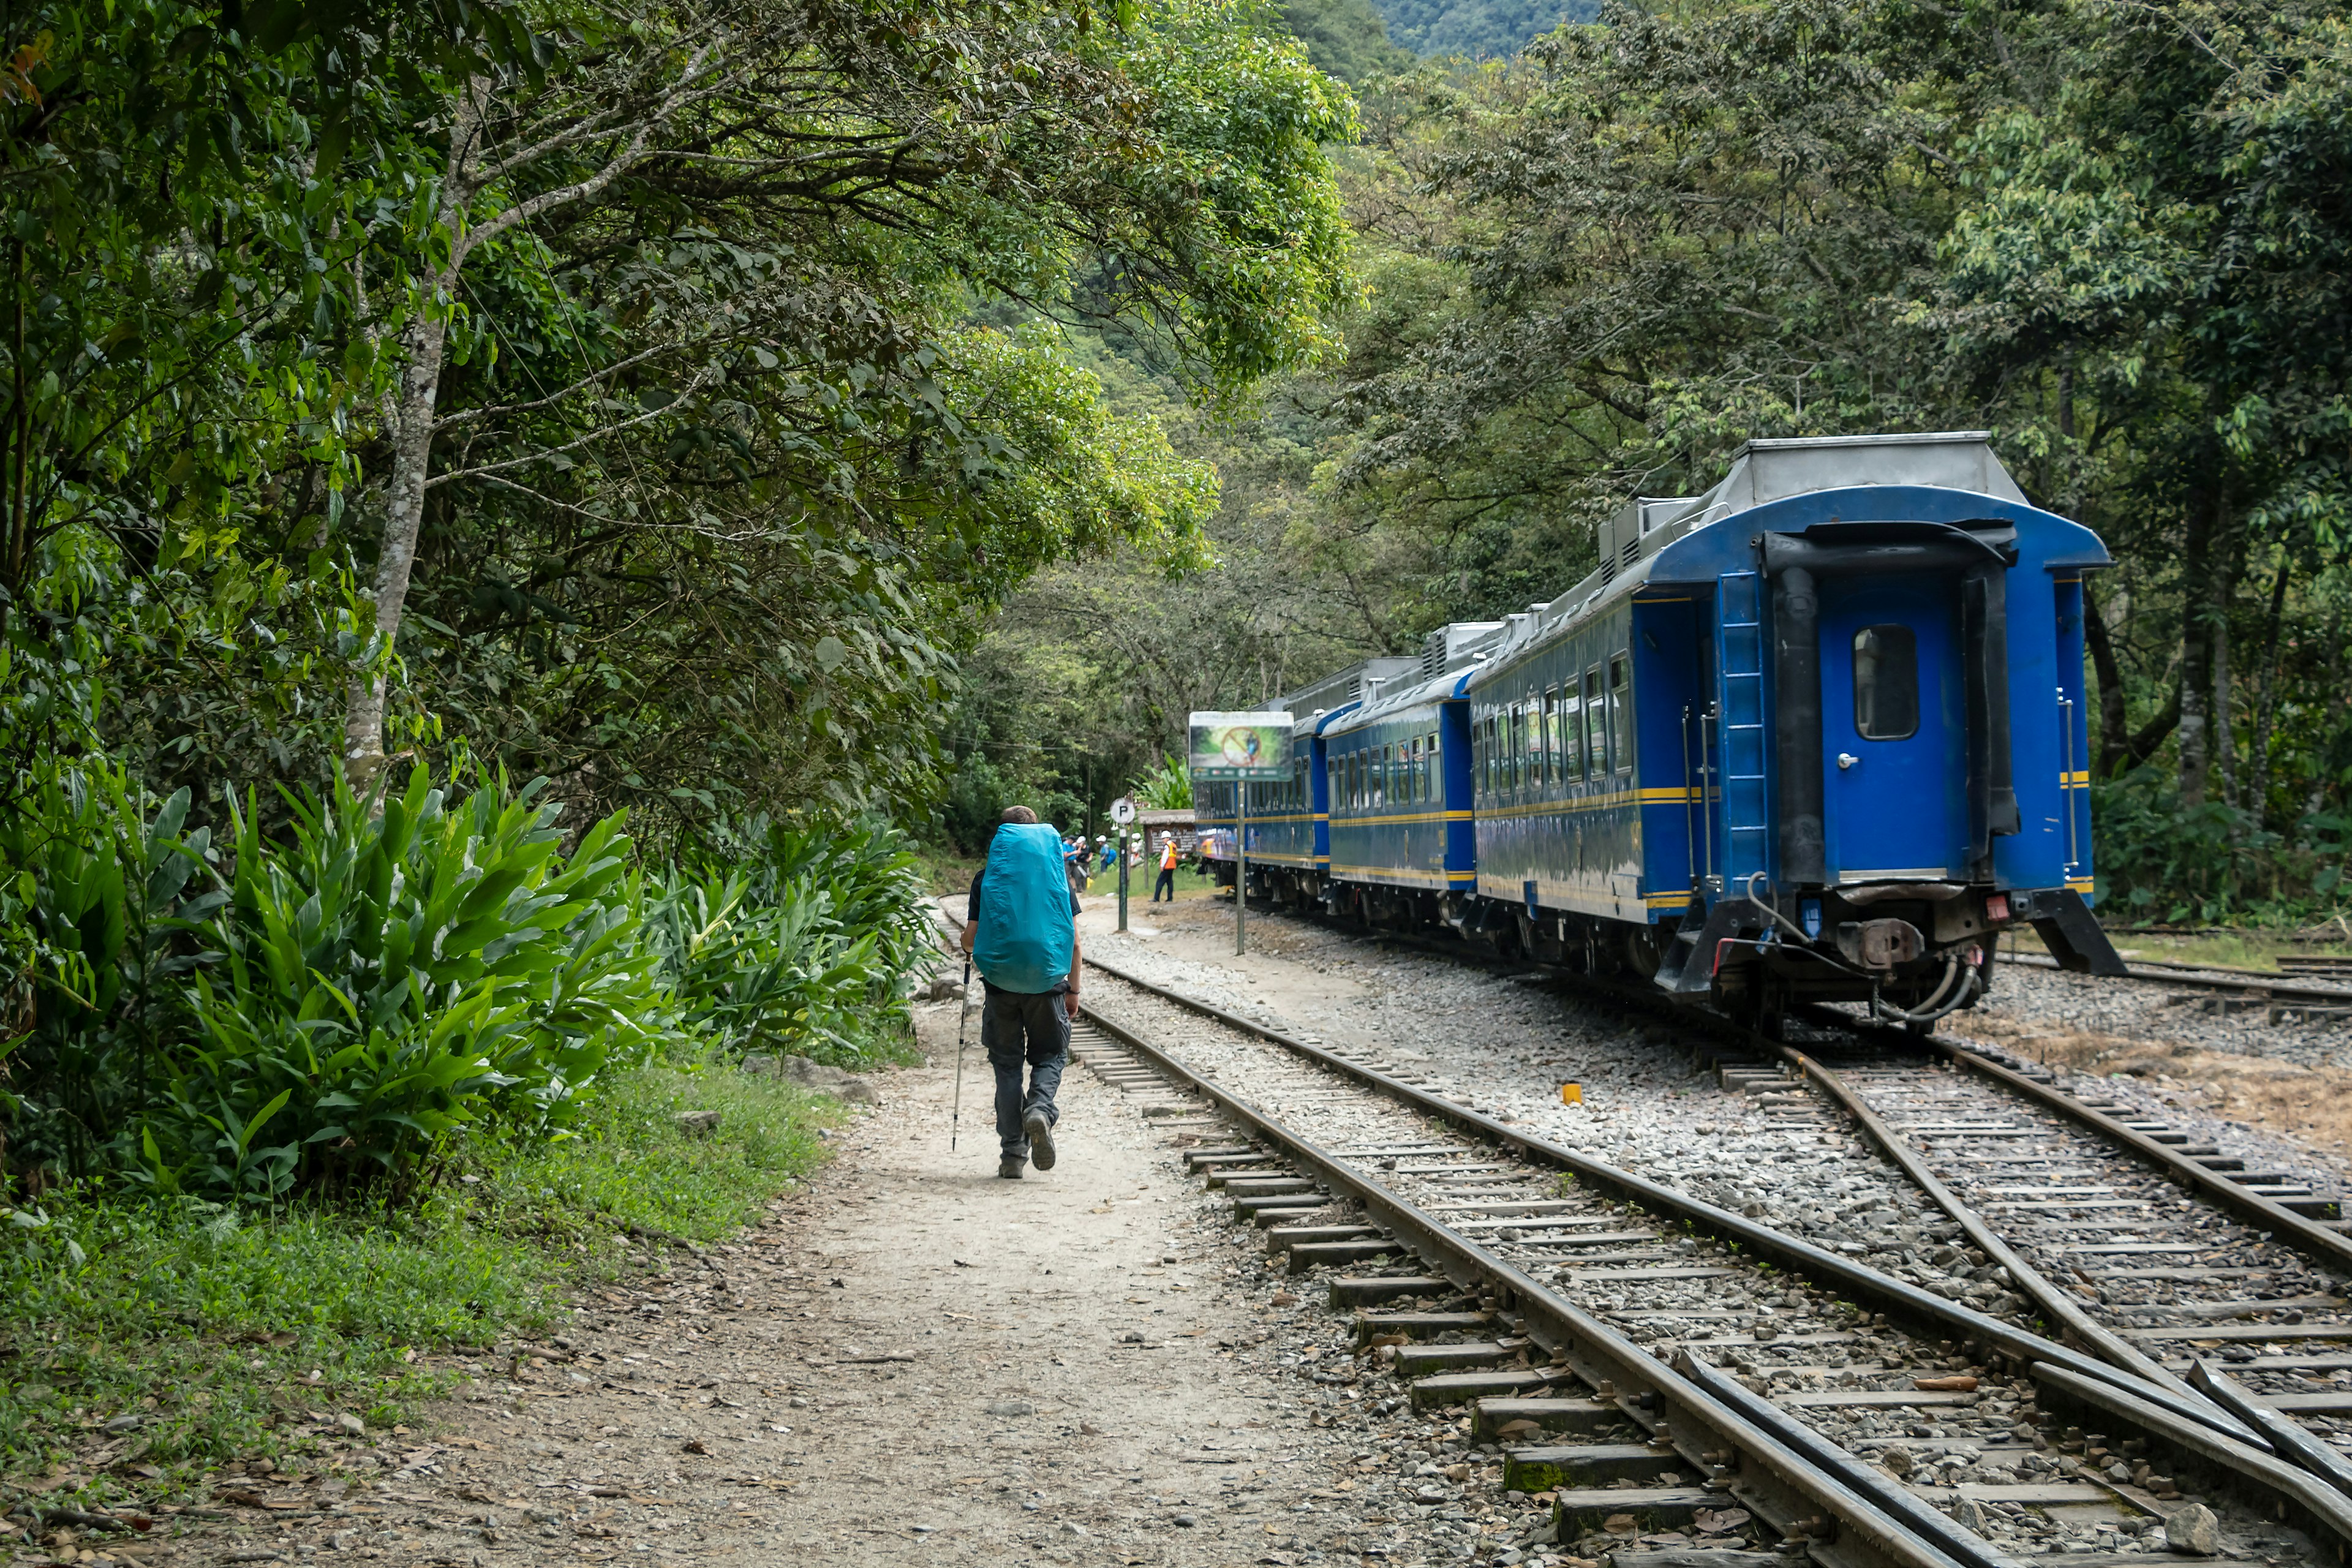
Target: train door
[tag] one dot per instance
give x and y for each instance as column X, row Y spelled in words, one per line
column 1892, row 730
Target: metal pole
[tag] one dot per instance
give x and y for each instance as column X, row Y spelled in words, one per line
column 1241, row 860
column 1122, row 879
column 955, row 1117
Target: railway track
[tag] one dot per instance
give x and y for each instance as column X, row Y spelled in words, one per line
column 2304, row 994
column 1648, row 1360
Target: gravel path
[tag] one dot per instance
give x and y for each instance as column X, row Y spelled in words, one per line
column 910, row 1361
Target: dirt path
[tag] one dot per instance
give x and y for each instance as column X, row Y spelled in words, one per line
column 912, row 1361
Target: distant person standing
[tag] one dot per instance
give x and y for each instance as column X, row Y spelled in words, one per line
column 1020, row 928
column 1167, row 883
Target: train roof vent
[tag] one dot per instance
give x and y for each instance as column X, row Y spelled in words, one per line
column 1633, row 531
column 1451, row 647
column 1345, row 685
column 1771, row 470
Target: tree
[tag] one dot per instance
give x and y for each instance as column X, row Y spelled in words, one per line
column 806, row 193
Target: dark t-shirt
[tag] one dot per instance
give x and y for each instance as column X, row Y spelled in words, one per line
column 971, row 912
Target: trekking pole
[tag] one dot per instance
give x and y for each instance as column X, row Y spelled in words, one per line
column 955, row 1117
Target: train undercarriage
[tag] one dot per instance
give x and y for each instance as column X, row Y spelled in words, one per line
column 1913, row 951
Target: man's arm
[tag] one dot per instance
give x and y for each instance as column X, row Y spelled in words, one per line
column 970, row 933
column 1077, row 959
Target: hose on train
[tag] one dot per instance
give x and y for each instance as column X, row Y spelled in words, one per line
column 1934, row 1007
column 1927, row 1012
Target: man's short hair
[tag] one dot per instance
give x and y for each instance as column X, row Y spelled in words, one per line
column 1020, row 814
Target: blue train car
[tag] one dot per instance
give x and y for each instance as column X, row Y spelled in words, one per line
column 1288, row 825
column 1816, row 734
column 1397, row 773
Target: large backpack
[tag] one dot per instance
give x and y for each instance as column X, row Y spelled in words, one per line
column 1026, row 930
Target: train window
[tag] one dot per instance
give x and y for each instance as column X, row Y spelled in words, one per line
column 1571, row 734
column 1509, row 759
column 1380, row 776
column 1436, row 779
column 1596, row 727
column 1551, row 744
column 1621, row 729
column 1532, row 747
column 1885, row 683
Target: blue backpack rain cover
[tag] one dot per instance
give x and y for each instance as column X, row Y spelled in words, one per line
column 1026, row 930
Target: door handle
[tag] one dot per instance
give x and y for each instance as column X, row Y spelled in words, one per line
column 1847, row 760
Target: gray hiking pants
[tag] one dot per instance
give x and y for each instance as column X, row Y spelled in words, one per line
column 1024, row 1028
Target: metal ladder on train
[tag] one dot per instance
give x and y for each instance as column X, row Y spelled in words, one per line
column 1745, row 739
column 1743, row 751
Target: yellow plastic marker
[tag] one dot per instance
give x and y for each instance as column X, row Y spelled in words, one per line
column 1571, row 1094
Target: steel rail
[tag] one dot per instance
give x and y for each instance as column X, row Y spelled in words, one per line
column 2193, row 1427
column 2055, row 1303
column 1697, row 1423
column 1884, row 1292
column 2305, row 1234
column 2278, row 987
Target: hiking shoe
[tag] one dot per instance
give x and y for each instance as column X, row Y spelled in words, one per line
column 1040, row 1132
column 1009, row 1169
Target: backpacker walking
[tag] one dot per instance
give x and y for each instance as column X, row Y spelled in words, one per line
column 1021, row 929
column 1167, row 883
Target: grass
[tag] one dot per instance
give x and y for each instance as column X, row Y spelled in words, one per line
column 203, row 1332
column 2245, row 949
column 946, row 869
column 1190, row 884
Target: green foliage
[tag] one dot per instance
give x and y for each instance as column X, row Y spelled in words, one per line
column 1168, row 787
column 631, row 1170
column 2209, row 863
column 394, row 975
column 116, row 1301
column 792, row 940
column 1345, row 38
column 98, row 892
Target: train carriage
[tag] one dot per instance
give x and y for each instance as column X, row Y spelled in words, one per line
column 1397, row 772
column 1816, row 734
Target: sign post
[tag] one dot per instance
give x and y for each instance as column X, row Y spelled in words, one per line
column 1241, row 860
column 1122, row 812
column 1240, row 749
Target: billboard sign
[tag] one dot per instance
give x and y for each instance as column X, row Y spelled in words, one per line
column 1228, row 746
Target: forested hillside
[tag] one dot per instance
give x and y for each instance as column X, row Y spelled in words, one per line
column 2110, row 236
column 1479, row 30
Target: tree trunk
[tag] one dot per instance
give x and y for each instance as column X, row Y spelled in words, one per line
column 2228, row 564
column 2258, row 751
column 2316, row 800
column 2115, row 717
column 2196, row 651
column 421, row 344
column 2225, row 755
column 423, row 341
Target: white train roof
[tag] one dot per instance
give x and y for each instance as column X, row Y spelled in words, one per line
column 1455, row 657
